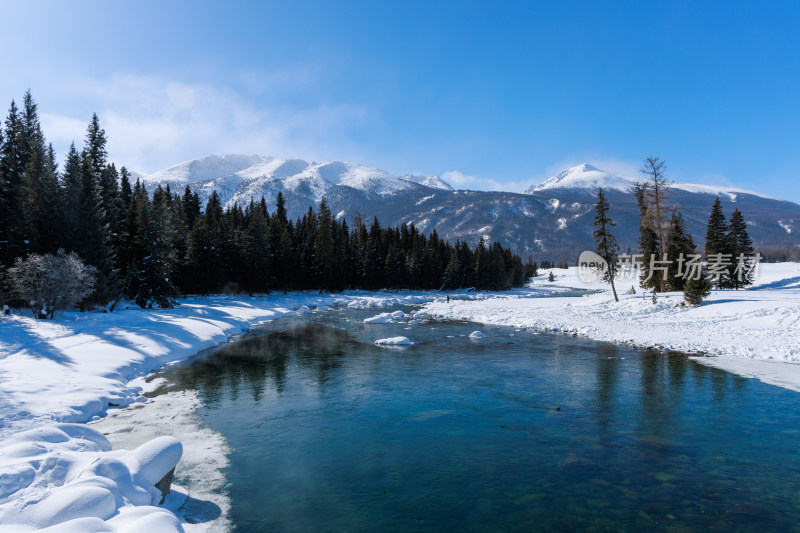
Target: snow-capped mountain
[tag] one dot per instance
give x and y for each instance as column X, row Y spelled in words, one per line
column 551, row 220
column 581, row 176
column 239, row 178
column 586, row 176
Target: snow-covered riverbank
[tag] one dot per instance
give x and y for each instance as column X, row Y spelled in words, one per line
column 754, row 332
column 57, row 375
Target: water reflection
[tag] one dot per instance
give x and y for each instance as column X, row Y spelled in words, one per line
column 523, row 432
column 260, row 362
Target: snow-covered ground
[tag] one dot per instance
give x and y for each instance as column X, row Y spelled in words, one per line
column 754, row 332
column 58, row 472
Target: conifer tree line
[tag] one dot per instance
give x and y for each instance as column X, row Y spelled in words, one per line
column 150, row 248
column 725, row 242
column 665, row 245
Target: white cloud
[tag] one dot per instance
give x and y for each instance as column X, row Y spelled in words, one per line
column 154, row 122
column 460, row 180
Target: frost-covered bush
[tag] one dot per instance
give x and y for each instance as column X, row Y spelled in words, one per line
column 51, row 282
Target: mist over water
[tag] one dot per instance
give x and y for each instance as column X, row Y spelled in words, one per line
column 516, row 431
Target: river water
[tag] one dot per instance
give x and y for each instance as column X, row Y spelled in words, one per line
column 517, row 431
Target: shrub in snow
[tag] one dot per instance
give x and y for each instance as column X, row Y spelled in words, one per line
column 696, row 289
column 51, row 282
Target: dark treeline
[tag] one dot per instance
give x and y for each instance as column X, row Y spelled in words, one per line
column 150, row 248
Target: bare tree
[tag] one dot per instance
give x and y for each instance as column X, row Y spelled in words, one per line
column 51, row 282
column 658, row 214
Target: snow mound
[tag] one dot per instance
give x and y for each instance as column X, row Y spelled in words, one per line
column 477, row 335
column 303, row 310
column 394, row 341
column 387, row 318
column 91, row 483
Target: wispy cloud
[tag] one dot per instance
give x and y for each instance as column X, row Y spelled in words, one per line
column 460, row 180
column 153, row 122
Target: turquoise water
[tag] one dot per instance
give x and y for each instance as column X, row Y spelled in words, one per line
column 514, row 432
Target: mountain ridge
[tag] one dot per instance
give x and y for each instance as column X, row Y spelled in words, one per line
column 552, row 219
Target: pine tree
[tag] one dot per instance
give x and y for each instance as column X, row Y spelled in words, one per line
column 482, row 265
column 12, row 188
column 696, row 289
column 204, row 250
column 93, row 236
column 607, row 246
column 741, row 249
column 648, row 243
column 42, row 194
column 717, row 240
column 191, row 206
column 531, row 269
column 498, row 277
column 551, row 278
column 156, row 259
column 71, row 212
column 257, row 259
column 324, row 247
column 125, row 190
column 680, row 246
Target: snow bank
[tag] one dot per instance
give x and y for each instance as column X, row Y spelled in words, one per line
column 754, row 332
column 72, row 479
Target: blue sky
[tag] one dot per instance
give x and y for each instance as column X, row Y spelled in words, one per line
column 497, row 96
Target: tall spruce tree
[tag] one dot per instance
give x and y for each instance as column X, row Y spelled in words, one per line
column 741, row 249
column 71, row 199
column 155, row 261
column 648, row 242
column 607, row 246
column 324, row 248
column 680, row 246
column 256, row 253
column 12, row 188
column 94, row 237
column 717, row 241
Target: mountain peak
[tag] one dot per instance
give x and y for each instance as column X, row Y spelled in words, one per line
column 583, row 176
column 434, row 182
